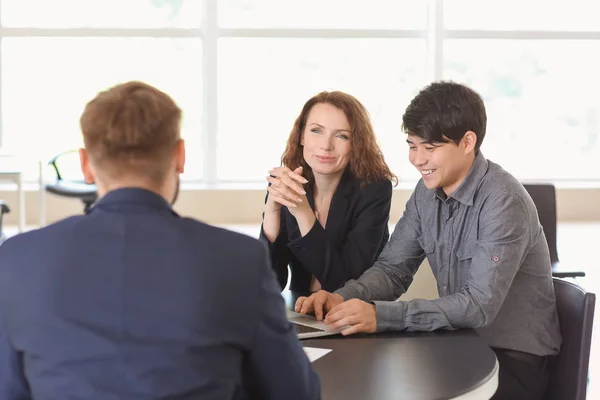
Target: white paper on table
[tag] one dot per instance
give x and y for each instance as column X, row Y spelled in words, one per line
column 315, row 353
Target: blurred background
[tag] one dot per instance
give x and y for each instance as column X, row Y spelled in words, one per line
column 242, row 69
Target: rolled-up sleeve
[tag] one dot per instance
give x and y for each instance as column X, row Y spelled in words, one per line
column 497, row 254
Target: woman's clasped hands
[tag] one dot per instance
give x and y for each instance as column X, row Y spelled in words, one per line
column 286, row 189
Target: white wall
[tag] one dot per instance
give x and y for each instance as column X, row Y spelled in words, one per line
column 245, row 206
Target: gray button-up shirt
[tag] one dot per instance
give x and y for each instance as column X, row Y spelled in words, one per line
column 490, row 258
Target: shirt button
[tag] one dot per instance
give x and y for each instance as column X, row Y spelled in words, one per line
column 444, row 288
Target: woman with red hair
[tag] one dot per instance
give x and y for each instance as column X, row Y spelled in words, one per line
column 327, row 208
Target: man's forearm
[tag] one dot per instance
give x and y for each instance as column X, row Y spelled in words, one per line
column 375, row 284
column 449, row 312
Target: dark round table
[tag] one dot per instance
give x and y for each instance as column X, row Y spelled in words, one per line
column 402, row 365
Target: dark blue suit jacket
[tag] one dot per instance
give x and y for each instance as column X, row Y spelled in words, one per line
column 134, row 302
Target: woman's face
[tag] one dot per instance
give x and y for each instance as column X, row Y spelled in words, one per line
column 326, row 140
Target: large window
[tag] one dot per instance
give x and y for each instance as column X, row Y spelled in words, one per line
column 242, row 69
column 46, row 82
column 279, row 75
column 543, row 110
column 66, row 14
column 535, row 64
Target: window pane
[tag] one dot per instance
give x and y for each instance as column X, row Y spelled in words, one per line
column 46, row 83
column 543, row 111
column 334, row 14
column 102, row 13
column 573, row 15
column 259, row 102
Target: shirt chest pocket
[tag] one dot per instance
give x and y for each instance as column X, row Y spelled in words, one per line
column 428, row 245
column 464, row 255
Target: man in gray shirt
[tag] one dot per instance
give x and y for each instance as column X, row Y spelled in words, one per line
column 480, row 232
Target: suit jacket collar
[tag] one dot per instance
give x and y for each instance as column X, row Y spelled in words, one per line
column 132, row 197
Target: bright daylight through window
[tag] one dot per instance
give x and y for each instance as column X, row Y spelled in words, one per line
column 241, row 70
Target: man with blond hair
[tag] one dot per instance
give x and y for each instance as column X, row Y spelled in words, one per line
column 132, row 301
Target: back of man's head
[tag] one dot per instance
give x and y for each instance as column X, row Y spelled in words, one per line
column 131, row 131
column 444, row 111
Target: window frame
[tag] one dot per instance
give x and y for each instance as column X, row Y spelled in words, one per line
column 209, row 32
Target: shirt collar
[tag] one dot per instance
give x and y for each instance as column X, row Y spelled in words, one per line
column 466, row 190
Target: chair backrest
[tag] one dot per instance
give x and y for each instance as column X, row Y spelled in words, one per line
column 69, row 179
column 544, row 197
column 66, row 166
column 3, row 209
column 576, row 316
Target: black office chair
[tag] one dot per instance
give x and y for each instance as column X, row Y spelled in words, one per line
column 70, row 187
column 4, row 209
column 569, row 374
column 544, row 197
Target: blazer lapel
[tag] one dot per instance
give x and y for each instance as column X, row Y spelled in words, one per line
column 339, row 204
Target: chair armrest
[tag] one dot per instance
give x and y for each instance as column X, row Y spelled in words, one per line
column 3, row 208
column 54, row 159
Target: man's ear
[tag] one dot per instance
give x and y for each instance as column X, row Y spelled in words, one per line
column 180, row 156
column 469, row 141
column 86, row 167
